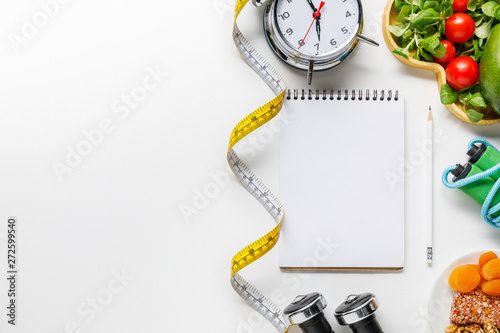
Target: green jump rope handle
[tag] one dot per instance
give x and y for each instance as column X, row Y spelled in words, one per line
column 485, row 157
column 479, row 189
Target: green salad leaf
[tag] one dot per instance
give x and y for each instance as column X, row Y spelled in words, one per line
column 477, row 100
column 489, row 8
column 421, row 27
column 474, row 116
column 448, row 94
column 484, row 29
column 472, row 5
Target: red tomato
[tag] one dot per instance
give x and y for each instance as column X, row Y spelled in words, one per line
column 451, row 52
column 459, row 28
column 460, row 5
column 462, row 72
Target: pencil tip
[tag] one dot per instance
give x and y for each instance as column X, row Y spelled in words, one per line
column 429, row 115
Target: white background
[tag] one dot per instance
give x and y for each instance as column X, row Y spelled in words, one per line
column 118, row 210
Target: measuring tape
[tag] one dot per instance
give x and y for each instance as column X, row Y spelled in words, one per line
column 250, row 181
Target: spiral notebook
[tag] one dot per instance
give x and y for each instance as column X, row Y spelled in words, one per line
column 342, row 181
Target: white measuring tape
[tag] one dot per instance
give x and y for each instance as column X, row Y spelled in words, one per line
column 250, row 181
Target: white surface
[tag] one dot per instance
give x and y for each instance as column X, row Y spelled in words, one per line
column 442, row 295
column 344, row 198
column 120, row 207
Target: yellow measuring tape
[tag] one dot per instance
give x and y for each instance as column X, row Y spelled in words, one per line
column 248, row 179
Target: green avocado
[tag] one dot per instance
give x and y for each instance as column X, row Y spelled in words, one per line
column 489, row 70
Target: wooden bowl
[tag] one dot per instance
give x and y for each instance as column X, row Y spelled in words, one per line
column 390, row 18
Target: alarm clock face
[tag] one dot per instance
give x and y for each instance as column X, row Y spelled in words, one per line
column 317, row 28
column 313, row 35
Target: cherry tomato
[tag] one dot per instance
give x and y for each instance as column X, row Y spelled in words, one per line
column 451, row 52
column 462, row 72
column 460, row 5
column 459, row 28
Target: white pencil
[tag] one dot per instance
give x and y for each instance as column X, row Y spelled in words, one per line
column 429, row 175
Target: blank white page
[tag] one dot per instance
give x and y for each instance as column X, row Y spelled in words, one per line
column 342, row 184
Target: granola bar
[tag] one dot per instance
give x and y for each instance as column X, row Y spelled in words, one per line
column 475, row 307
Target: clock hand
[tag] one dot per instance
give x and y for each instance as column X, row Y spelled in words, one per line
column 318, row 28
column 312, row 5
column 316, row 15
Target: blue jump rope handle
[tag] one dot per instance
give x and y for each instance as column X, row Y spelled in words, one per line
column 486, row 211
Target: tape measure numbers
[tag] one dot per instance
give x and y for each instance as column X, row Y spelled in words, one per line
column 251, row 182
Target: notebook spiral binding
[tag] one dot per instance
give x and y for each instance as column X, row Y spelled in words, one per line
column 332, row 95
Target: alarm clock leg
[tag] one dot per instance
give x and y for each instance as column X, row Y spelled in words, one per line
column 367, row 40
column 310, row 72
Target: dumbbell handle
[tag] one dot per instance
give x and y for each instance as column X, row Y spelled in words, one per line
column 317, row 324
column 368, row 325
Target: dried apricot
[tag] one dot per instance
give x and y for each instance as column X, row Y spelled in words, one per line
column 491, row 270
column 491, row 288
column 485, row 257
column 464, row 278
column 480, row 271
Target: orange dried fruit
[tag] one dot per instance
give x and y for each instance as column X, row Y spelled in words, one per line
column 491, row 270
column 485, row 257
column 464, row 278
column 480, row 271
column 491, row 288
